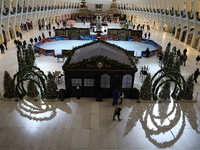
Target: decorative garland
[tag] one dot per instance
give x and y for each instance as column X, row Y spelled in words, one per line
column 19, row 87
column 93, row 58
column 172, row 75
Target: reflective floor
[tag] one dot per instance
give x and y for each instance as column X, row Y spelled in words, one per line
column 86, row 124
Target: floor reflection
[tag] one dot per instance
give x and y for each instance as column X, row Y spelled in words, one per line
column 160, row 119
column 41, row 110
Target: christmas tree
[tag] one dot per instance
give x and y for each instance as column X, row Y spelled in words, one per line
column 165, row 91
column 8, row 86
column 187, row 93
column 51, row 88
column 146, row 91
column 31, row 89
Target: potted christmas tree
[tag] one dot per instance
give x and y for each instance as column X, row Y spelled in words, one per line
column 9, row 85
column 51, row 88
column 32, row 92
column 146, row 91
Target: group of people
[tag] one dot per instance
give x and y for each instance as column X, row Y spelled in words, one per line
column 117, row 94
column 145, row 35
column 3, row 47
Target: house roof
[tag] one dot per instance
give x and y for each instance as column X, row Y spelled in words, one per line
column 100, row 48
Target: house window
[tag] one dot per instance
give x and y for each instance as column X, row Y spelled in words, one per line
column 105, row 81
column 76, row 82
column 88, row 82
column 127, row 81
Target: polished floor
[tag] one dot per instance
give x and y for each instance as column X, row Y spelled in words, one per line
column 87, row 125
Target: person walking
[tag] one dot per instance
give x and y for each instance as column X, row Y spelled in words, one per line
column 115, row 96
column 43, row 35
column 20, row 35
column 122, row 95
column 147, row 52
column 5, row 44
column 24, row 43
column 39, row 38
column 2, row 49
column 35, row 39
column 184, row 59
column 49, row 33
column 149, row 35
column 178, row 53
column 197, row 59
column 117, row 112
column 31, row 40
column 185, row 51
column 145, row 35
column 196, row 74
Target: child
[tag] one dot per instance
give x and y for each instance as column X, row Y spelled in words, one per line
column 117, row 112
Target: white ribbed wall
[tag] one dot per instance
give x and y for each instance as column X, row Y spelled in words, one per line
column 12, row 22
column 159, row 21
column 156, row 20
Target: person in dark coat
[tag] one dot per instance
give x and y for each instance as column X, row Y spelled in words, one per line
column 15, row 42
column 149, row 35
column 49, row 33
column 19, row 43
column 5, row 44
column 117, row 112
column 147, row 52
column 31, row 40
column 39, row 38
column 145, row 35
column 185, row 51
column 39, row 27
column 20, row 35
column 35, row 39
column 184, row 59
column 24, row 43
column 178, row 53
column 18, row 48
column 43, row 35
column 169, row 44
column 17, row 33
column 2, row 49
column 196, row 74
column 197, row 59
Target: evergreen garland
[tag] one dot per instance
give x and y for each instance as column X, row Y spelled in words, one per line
column 169, row 72
column 9, row 85
column 97, row 57
column 21, row 76
column 145, row 91
column 187, row 93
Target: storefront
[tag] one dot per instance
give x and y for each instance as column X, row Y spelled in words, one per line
column 98, row 67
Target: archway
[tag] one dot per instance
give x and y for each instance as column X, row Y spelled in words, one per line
column 24, row 74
